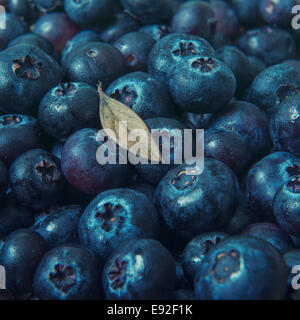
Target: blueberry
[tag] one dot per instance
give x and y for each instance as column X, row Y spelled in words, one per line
column 286, row 206
column 13, row 216
column 271, row 233
column 146, row 96
column 14, row 28
column 68, row 272
column 267, row 176
column 228, row 147
column 285, row 126
column 135, row 47
column 154, row 173
column 192, row 204
column 181, row 279
column 121, row 24
column 149, row 11
column 247, row 11
column 197, row 121
column 195, row 251
column 183, row 295
column 3, row 179
column 231, row 271
column 156, row 31
column 175, row 48
column 94, row 62
column 270, row 44
column 59, row 227
column 227, row 22
column 24, row 9
column 91, row 13
column 195, row 17
column 69, row 107
column 256, row 66
column 57, row 28
column 202, row 84
column 139, row 270
column 35, row 40
column 27, row 73
column 146, row 188
column 273, row 85
column 13, row 129
column 47, row 5
column 80, row 166
column 238, row 62
column 6, row 295
column 80, row 39
column 277, row 12
column 247, row 120
column 114, row 216
column 36, row 178
column 21, row 253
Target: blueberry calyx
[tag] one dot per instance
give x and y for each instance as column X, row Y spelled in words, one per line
column 27, row 67
column 65, row 89
column 183, row 181
column 293, row 170
column 208, row 244
column 204, row 64
column 9, row 120
column 294, row 184
column 185, row 50
column 117, row 275
column 125, row 95
column 46, row 171
column 63, row 278
column 226, row 265
column 113, row 217
column 286, row 91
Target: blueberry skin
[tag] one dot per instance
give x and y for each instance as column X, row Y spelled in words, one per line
column 47, row 5
column 196, row 18
column 91, row 13
column 135, row 47
column 247, row 11
column 146, row 96
column 197, row 121
column 114, row 216
column 271, row 233
column 3, row 179
column 154, row 11
column 230, row 271
column 59, row 227
column 256, row 66
column 195, row 251
column 286, row 206
column 271, row 87
column 154, row 173
column 94, row 62
column 36, row 41
column 277, row 12
column 80, row 39
column 267, row 176
column 285, row 126
column 247, row 120
column 13, row 216
column 238, row 62
column 68, row 272
column 156, row 31
column 227, row 22
column 80, row 166
column 14, row 28
column 121, row 24
column 202, row 84
column 27, row 73
column 228, row 147
column 139, row 270
column 36, row 179
column 20, row 255
column 183, row 295
column 172, row 49
column 69, row 107
column 146, row 188
column 271, row 45
column 13, row 129
column 57, row 28
column 24, row 9
column 193, row 204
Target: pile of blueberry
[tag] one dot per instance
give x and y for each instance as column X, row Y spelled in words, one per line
column 71, row 228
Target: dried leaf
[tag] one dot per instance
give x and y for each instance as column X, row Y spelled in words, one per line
column 113, row 114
